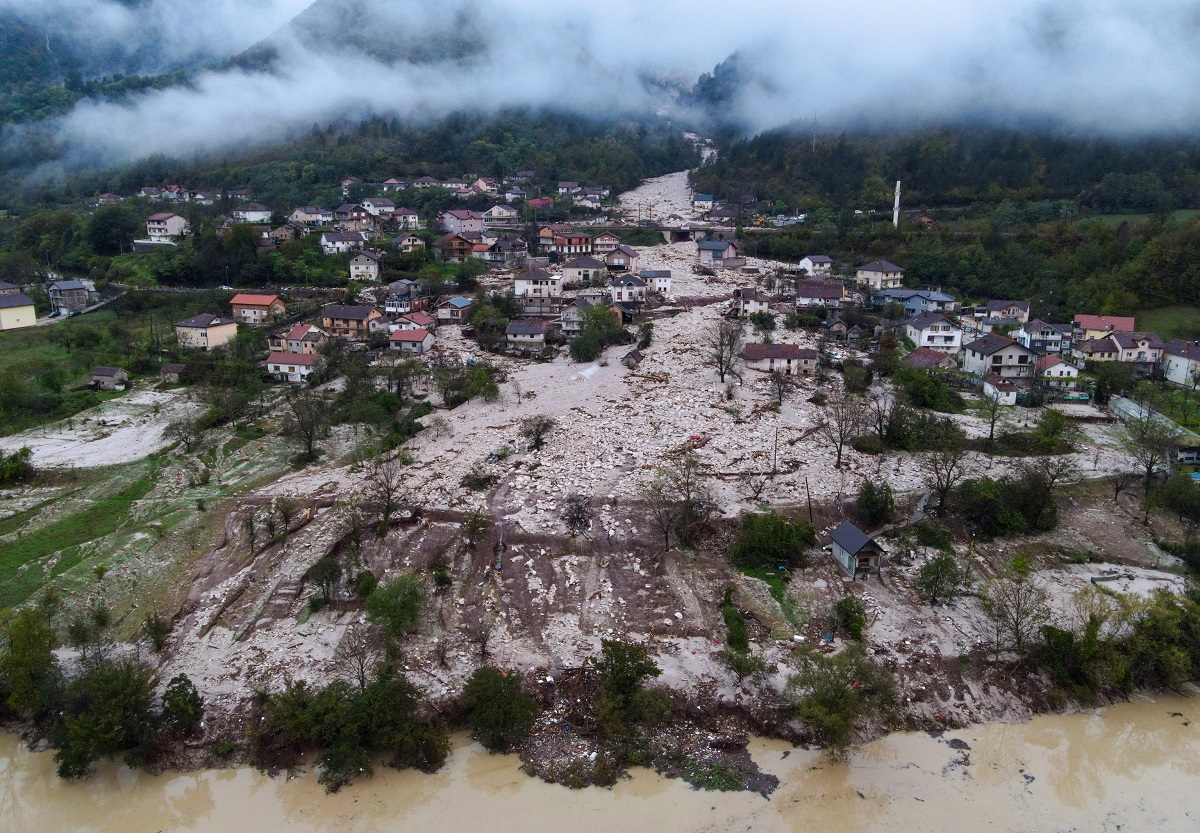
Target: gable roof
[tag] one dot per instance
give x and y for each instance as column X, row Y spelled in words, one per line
column 880, row 266
column 926, row 357
column 758, row 352
column 173, row 368
column 64, row 286
column 413, row 336
column 249, row 300
column 928, row 319
column 999, row 382
column 1128, row 341
column 1038, row 324
column 585, row 262
column 302, row 331
column 161, row 217
column 1189, row 350
column 1112, row 323
column 1046, row 362
column 820, row 289
column 994, row 343
column 349, row 312
column 305, row 359
column 458, row 301
column 536, row 274
column 419, row 318
column 850, row 538
column 203, row 321
column 715, row 245
column 1104, row 344
column 818, row 258
column 1001, row 304
column 252, row 206
column 17, row 300
column 529, row 328
column 104, row 370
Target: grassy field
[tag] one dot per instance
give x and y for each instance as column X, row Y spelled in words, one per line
column 1117, row 219
column 1170, row 322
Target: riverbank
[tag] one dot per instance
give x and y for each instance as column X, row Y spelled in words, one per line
column 1131, row 767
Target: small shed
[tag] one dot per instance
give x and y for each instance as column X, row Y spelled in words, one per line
column 855, row 550
column 109, row 378
column 172, row 372
column 632, row 359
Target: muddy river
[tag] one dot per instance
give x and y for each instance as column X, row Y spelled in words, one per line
column 1134, row 767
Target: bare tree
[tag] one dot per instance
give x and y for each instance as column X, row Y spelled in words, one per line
column 781, row 386
column 724, row 342
column 945, row 465
column 287, row 507
column 1150, row 440
column 843, row 420
column 677, row 498
column 662, row 507
column 358, row 654
column 882, row 410
column 992, row 409
column 577, row 516
column 1042, row 475
column 307, row 420
column 186, row 431
column 756, row 482
column 1017, row 607
column 474, row 526
column 1121, row 481
column 535, row 428
column 385, row 490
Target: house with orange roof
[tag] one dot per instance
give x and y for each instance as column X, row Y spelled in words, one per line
column 257, row 309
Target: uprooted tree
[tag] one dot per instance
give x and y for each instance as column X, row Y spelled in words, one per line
column 723, row 342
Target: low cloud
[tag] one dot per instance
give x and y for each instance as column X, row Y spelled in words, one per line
column 1117, row 68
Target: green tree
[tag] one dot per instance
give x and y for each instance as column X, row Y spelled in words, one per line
column 397, row 606
column 108, row 709
column 833, row 693
column 851, row 616
column 500, row 711
column 535, row 429
column 29, row 672
column 768, row 540
column 941, row 577
column 876, row 505
column 624, row 700
column 182, row 705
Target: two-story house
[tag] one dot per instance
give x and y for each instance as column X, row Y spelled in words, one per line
column 657, row 280
column 750, row 301
column 302, row 339
column 501, row 215
column 16, row 311
column 257, row 309
column 408, row 243
column 413, row 342
column 702, row 202
column 585, row 270
column 829, row 294
column 311, row 215
column 69, row 296
column 406, row 219
column 997, row 312
column 880, row 274
column 355, row 322
column 1102, row 326
column 929, row 329
column 1055, row 372
column 605, row 242
column 453, row 248
column 342, row 242
column 205, row 331
column 621, row 259
column 1041, row 337
column 998, row 354
column 816, row 264
column 527, row 336
column 628, row 289
column 350, row 217
column 461, row 221
column 455, row 310
column 165, row 227
column 292, row 367
column 719, row 254
column 1143, row 350
column 915, row 301
column 571, row 244
column 378, row 206
column 1095, row 349
column 364, row 266
column 1181, row 363
column 788, row 359
column 252, row 212
column 538, row 284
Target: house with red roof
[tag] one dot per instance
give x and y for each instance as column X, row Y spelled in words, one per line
column 292, row 367
column 413, row 342
column 257, row 309
column 302, row 339
column 1099, row 326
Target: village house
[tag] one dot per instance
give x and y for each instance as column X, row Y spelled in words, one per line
column 1095, row 349
column 165, row 227
column 7, row 288
column 302, row 339
column 830, row 294
column 205, row 331
column 621, row 259
column 402, row 296
column 501, row 215
column 514, row 194
column 568, row 187
column 311, row 215
column 109, row 378
column 788, row 359
column 354, row 322
column 573, row 314
column 453, row 248
column 392, row 184
column 1100, row 326
column 502, row 253
column 999, row 389
column 998, row 354
column 378, row 206
column 415, row 342
column 150, row 192
column 605, row 242
column 257, row 309
column 109, row 199
column 485, row 185
column 632, row 359
column 69, row 296
column 538, row 284
column 455, row 310
column 342, row 242
column 719, row 254
column 252, row 212
column 934, row 331
column 915, row 301
column 408, row 243
column 1143, row 350
column 880, row 274
column 998, row 313
column 351, row 217
column 585, row 270
column 406, row 219
column 657, row 280
column 1054, row 372
column 292, row 367
column 702, row 202
column 540, row 203
column 460, row 221
column 546, row 234
column 413, row 321
column 1041, row 337
column 347, row 183
column 17, row 311
column 425, row 182
column 838, row 328
column 816, row 264
column 925, row 358
column 571, row 244
column 628, row 289
column 364, row 266
column 856, row 552
column 205, row 197
column 172, row 373
column 527, row 336
column 750, row 301
column 1181, row 362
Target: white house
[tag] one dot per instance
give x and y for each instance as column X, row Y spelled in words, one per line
column 164, row 227
column 341, row 242
column 788, row 359
column 292, row 367
column 409, row 243
column 856, row 551
column 527, row 335
column 657, row 280
column 406, row 218
column 455, row 310
column 364, row 266
column 538, row 283
column 999, row 389
column 702, row 202
column 378, row 206
column 415, row 342
column 719, row 254
column 573, row 315
column 934, row 331
column 621, row 259
column 252, row 212
column 628, row 289
column 831, row 294
column 1181, row 362
column 584, row 270
column 816, row 264
column 501, row 215
column 1056, row 373
column 881, row 274
column 461, row 221
column 311, row 215
column 749, row 302
column 994, row 353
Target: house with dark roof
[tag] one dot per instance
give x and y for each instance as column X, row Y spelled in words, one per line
column 628, row 289
column 172, row 372
column 527, row 336
column 999, row 389
column 995, row 353
column 926, row 358
column 657, row 280
column 1042, row 337
column 364, row 266
column 816, row 264
column 818, row 293
column 719, row 254
column 7, row 288
column 355, row 322
column 1143, row 350
column 1181, row 363
column 17, row 311
column 69, row 296
column 164, row 227
column 880, row 274
column 855, row 551
column 453, row 248
column 205, row 331
column 1095, row 349
column 621, row 259
column 585, row 270
column 252, row 212
column 341, row 242
column 109, row 378
column 311, row 215
column 915, row 301
column 702, row 202
column 929, row 329
column 788, row 359
column 749, row 301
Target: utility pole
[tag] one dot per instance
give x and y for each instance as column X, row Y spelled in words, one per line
column 809, row 492
column 896, row 207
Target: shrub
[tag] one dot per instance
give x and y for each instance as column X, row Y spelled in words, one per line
column 876, row 505
column 839, row 690
column 624, row 700
column 500, row 711
column 735, row 622
column 365, row 583
column 767, row 540
column 182, row 706
column 867, row 444
column 932, row 535
column 851, row 616
column 17, row 467
column 397, row 607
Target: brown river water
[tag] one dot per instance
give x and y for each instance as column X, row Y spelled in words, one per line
column 1133, row 767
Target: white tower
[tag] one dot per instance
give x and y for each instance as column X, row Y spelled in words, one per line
column 896, row 207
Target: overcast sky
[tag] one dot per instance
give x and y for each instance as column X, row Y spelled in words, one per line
column 1102, row 66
